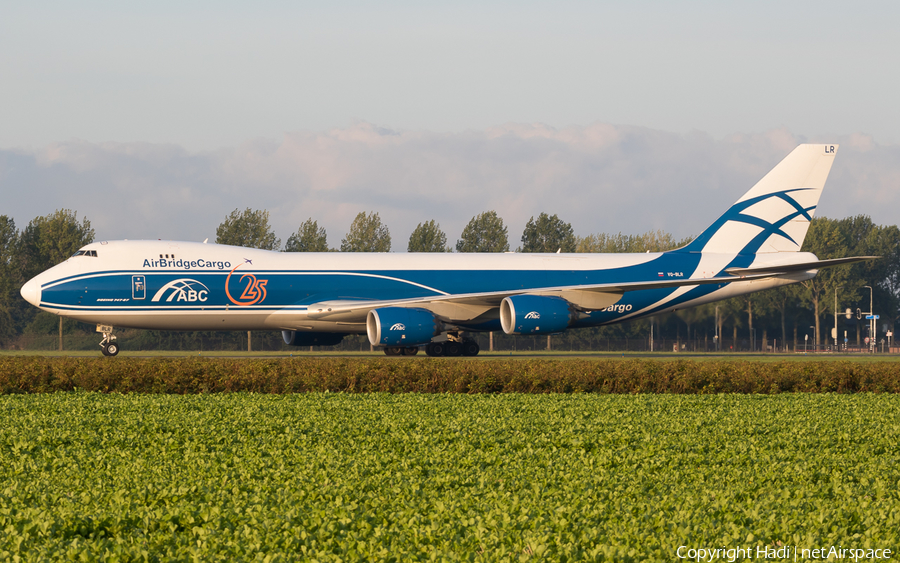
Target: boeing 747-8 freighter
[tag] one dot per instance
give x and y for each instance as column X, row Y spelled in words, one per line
column 404, row 301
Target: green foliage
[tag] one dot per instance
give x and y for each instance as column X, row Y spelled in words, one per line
column 828, row 238
column 310, row 237
column 883, row 274
column 428, row 237
column 45, row 242
column 249, row 228
column 367, row 234
column 48, row 323
column 9, row 276
column 9, row 237
column 784, row 304
column 548, row 234
column 484, row 233
column 194, row 375
column 338, row 477
column 651, row 241
column 51, row 239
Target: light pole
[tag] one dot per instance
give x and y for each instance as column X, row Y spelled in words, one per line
column 871, row 320
column 716, row 337
column 834, row 336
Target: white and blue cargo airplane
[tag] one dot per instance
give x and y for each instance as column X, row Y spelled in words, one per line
column 403, row 301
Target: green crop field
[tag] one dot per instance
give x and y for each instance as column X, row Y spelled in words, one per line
column 510, row 477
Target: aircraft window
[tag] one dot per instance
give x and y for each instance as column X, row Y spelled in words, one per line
column 92, row 253
column 79, row 253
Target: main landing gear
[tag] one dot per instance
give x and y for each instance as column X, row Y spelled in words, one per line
column 108, row 345
column 401, row 350
column 462, row 347
column 448, row 344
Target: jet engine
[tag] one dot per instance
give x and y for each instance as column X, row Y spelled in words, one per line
column 534, row 314
column 295, row 338
column 398, row 326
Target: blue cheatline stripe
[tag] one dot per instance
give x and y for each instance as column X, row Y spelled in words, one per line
column 294, row 290
column 232, row 308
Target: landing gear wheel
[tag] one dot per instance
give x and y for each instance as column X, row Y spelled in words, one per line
column 470, row 348
column 410, row 350
column 435, row 349
column 453, row 349
column 393, row 351
column 108, row 345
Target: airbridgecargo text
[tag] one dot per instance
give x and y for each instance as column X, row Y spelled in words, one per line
column 186, row 264
column 781, row 553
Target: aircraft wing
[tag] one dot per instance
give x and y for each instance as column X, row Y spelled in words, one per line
column 467, row 306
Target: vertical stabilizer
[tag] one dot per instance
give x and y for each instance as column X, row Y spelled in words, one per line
column 775, row 214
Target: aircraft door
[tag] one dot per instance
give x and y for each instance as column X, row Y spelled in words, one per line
column 138, row 287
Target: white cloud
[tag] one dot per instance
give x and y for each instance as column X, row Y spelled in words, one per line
column 601, row 178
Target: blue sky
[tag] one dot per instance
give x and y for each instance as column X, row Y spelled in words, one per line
column 115, row 86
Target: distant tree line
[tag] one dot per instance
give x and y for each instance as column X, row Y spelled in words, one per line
column 778, row 317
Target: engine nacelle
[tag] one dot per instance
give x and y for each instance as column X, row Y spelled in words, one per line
column 296, row 338
column 534, row 314
column 398, row 326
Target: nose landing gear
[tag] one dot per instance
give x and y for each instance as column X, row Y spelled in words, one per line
column 108, row 345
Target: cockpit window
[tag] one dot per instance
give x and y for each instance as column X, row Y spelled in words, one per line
column 85, row 253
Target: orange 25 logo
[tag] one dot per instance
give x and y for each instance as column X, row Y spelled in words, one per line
column 254, row 292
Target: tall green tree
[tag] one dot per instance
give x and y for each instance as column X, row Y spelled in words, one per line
column 45, row 242
column 885, row 242
column 249, row 228
column 51, row 239
column 484, row 233
column 310, row 237
column 868, row 239
column 9, row 278
column 828, row 238
column 731, row 311
column 548, row 233
column 428, row 237
column 784, row 302
column 651, row 241
column 367, row 234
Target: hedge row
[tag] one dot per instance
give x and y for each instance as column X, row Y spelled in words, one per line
column 296, row 375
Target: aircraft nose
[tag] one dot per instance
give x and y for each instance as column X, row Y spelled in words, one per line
column 31, row 292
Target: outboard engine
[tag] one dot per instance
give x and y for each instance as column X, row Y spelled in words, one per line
column 295, row 338
column 534, row 314
column 399, row 326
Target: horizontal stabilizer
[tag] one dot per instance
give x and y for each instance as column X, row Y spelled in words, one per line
column 801, row 267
